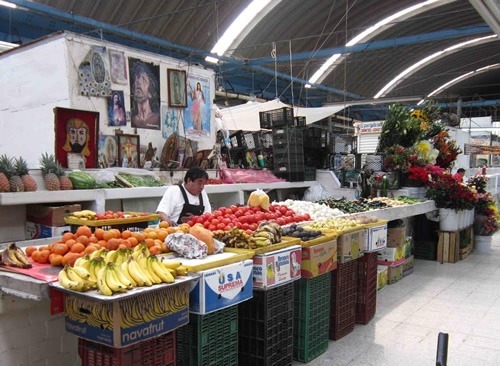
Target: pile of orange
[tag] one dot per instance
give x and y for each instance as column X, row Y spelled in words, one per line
column 73, row 246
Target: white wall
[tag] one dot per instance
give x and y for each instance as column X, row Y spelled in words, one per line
column 36, row 78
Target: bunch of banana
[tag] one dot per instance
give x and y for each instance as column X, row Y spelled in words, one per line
column 76, row 279
column 118, row 256
column 266, row 234
column 111, row 279
column 99, row 253
column 234, row 238
column 15, row 257
column 83, row 215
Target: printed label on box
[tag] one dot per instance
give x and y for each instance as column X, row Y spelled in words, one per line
column 319, row 259
column 279, row 267
column 377, row 238
column 222, row 287
column 39, row 231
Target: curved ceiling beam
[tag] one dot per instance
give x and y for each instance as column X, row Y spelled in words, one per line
column 374, row 30
column 460, row 78
column 429, row 59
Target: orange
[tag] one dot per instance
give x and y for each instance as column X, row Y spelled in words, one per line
column 99, row 233
column 122, row 246
column 93, row 239
column 77, row 248
column 164, row 248
column 184, row 227
column 158, row 242
column 83, row 240
column 70, row 243
column 160, row 234
column 70, row 258
column 90, row 248
column 126, row 234
column 108, row 235
column 30, row 250
column 139, row 236
column 116, row 232
column 133, row 241
column 66, row 237
column 101, row 243
column 171, row 230
column 148, row 229
column 113, row 244
column 149, row 242
column 44, row 256
column 55, row 259
column 44, row 247
column 151, row 235
column 60, row 249
column 164, row 225
column 127, row 243
column 83, row 230
column 154, row 250
column 35, row 255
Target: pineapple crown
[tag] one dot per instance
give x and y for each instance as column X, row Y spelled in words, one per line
column 21, row 166
column 7, row 166
column 49, row 164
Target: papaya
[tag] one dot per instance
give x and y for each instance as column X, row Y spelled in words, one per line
column 200, row 233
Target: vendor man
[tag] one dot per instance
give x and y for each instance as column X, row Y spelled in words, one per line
column 181, row 202
column 459, row 175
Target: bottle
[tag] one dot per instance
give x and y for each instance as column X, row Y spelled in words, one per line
column 384, row 187
column 260, row 159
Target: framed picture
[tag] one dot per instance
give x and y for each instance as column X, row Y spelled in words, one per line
column 118, row 66
column 108, row 151
column 129, row 148
column 177, row 96
column 76, row 132
column 117, row 115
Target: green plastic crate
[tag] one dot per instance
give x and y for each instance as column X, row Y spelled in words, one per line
column 311, row 317
column 209, row 340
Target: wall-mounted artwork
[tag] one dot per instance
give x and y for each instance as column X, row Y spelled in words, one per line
column 93, row 74
column 144, row 94
column 128, row 150
column 118, row 66
column 108, row 151
column 76, row 132
column 116, row 109
column 176, row 88
column 197, row 113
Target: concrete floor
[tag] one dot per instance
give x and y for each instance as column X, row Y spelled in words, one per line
column 461, row 299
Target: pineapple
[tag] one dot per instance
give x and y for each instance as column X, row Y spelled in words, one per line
column 4, row 181
column 22, row 170
column 49, row 167
column 15, row 181
column 64, row 181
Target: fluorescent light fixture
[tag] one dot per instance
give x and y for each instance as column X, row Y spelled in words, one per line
column 211, row 59
column 7, row 4
column 237, row 27
column 4, row 46
column 372, row 31
column 434, row 57
column 308, row 86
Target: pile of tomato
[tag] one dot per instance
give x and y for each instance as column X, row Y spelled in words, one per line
column 108, row 215
column 246, row 217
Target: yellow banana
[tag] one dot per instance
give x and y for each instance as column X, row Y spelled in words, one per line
column 170, row 264
column 147, row 263
column 181, row 271
column 137, row 273
column 99, row 253
column 122, row 277
column 163, row 273
column 101, row 282
column 112, row 280
column 111, row 256
column 126, row 273
column 68, row 283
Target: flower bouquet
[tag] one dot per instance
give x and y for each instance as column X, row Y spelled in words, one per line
column 478, row 181
column 486, row 218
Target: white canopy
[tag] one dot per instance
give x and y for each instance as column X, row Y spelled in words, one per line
column 246, row 116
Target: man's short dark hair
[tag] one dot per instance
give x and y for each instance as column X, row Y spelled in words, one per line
column 461, row 170
column 195, row 173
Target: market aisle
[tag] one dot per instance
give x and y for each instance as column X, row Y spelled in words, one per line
column 461, row 299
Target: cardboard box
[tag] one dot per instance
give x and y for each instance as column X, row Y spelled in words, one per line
column 382, row 274
column 391, row 254
column 277, row 268
column 319, row 259
column 130, row 320
column 350, row 245
column 221, row 287
column 377, row 238
column 395, row 273
column 408, row 266
column 50, row 215
column 38, row 231
column 396, row 237
column 408, row 246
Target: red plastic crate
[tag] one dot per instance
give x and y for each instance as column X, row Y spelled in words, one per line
column 159, row 351
column 343, row 300
column 366, row 302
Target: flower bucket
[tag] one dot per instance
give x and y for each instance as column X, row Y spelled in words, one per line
column 448, row 219
column 471, row 217
column 483, row 244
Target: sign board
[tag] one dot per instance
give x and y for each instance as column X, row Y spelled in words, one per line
column 368, row 127
column 471, row 149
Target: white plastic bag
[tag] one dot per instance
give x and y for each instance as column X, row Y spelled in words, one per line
column 315, row 193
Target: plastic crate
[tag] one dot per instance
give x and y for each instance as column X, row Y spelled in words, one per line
column 290, row 176
column 266, row 327
column 425, row 250
column 343, row 299
column 366, row 301
column 209, row 340
column 159, row 351
column 276, row 117
column 238, row 139
column 289, row 149
column 309, row 173
column 299, row 121
column 311, row 317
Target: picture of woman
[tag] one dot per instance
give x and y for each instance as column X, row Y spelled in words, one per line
column 116, row 109
column 198, row 104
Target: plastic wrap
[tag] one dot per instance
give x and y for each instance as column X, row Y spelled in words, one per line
column 187, row 246
column 248, row 176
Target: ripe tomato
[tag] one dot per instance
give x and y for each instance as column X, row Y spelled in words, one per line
column 283, row 210
column 217, row 213
column 215, row 222
column 226, row 221
column 212, row 227
column 228, row 228
column 280, row 221
column 221, row 226
column 253, row 227
column 233, row 208
column 191, row 223
column 249, row 232
column 206, row 224
column 307, row 217
column 239, row 213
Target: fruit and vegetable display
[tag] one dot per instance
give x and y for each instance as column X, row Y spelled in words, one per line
column 361, row 204
column 246, row 217
column 54, row 177
column 317, row 211
column 14, row 256
column 299, row 232
column 114, row 271
column 389, row 202
column 408, row 200
column 267, row 233
column 127, row 180
column 107, row 215
column 341, row 223
column 259, row 198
